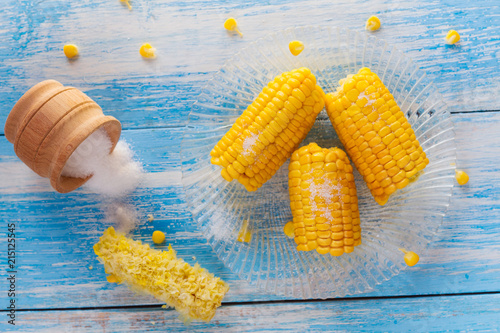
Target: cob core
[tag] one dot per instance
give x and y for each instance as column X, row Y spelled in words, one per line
column 194, row 292
column 375, row 133
column 270, row 129
column 323, row 201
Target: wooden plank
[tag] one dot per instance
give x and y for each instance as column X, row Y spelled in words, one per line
column 478, row 313
column 56, row 232
column 192, row 45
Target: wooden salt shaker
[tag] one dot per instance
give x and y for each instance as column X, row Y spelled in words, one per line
column 48, row 123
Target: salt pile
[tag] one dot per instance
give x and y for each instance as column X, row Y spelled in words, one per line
column 114, row 175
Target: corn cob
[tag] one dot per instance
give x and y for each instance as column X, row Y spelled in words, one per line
column 270, row 129
column 375, row 133
column 194, row 292
column 323, row 201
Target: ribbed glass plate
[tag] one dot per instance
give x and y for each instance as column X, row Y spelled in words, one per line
column 270, row 260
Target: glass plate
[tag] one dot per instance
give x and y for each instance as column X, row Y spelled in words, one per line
column 270, row 260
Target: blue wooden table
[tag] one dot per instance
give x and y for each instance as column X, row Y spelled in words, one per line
column 59, row 284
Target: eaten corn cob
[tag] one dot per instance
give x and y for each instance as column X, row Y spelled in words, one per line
column 194, row 292
column 375, row 133
column 323, row 200
column 270, row 129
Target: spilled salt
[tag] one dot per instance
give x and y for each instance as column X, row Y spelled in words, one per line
column 114, row 175
column 368, row 98
column 327, row 191
column 123, row 216
column 249, row 143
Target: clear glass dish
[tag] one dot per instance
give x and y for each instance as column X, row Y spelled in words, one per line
column 270, row 260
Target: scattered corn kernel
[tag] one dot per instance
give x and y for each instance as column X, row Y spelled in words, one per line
column 158, row 237
column 270, row 129
column 296, row 47
column 151, row 218
column 70, row 50
column 288, row 229
column 245, row 234
column 231, row 25
column 373, row 23
column 375, row 133
column 147, row 51
column 323, row 200
column 111, row 278
column 127, row 2
column 411, row 258
column 452, row 37
column 462, row 177
column 194, row 292
column 91, row 267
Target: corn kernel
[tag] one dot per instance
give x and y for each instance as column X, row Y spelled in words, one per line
column 462, row 177
column 288, row 229
column 373, row 23
column 70, row 50
column 296, row 47
column 245, row 234
column 111, row 278
column 231, row 25
column 147, row 51
column 158, row 237
column 410, row 258
column 127, row 3
column 452, row 37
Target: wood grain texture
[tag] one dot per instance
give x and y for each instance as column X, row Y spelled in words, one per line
column 192, row 45
column 56, row 232
column 422, row 314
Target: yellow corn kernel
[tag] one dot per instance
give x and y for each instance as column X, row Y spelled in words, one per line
column 111, row 279
column 231, row 25
column 296, row 47
column 147, row 51
column 288, row 229
column 329, row 210
column 70, row 50
column 158, row 237
column 127, row 3
column 192, row 291
column 245, row 234
column 268, row 131
column 373, row 23
column 452, row 37
column 462, row 177
column 411, row 258
column 382, row 146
